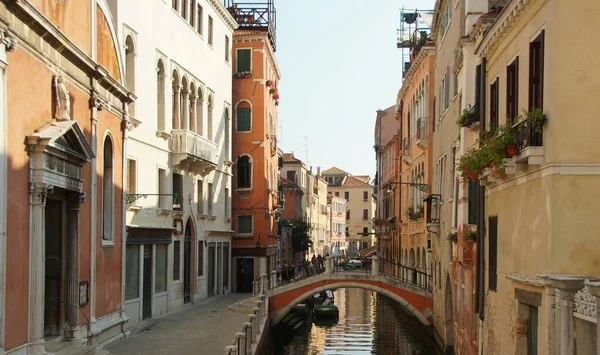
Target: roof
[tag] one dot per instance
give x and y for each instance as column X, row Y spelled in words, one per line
column 365, row 178
column 334, row 171
column 353, row 181
column 248, row 32
column 289, row 158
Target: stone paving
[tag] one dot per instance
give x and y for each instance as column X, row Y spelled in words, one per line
column 202, row 329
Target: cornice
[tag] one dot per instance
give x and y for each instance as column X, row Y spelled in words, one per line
column 436, row 17
column 52, row 35
column 500, row 26
column 225, row 15
column 423, row 53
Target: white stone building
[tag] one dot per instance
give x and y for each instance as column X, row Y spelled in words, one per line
column 178, row 211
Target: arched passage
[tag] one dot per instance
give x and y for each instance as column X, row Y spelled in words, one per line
column 188, row 251
column 416, row 304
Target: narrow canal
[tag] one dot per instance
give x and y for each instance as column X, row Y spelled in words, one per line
column 368, row 324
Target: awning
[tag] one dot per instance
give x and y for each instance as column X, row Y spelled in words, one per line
column 149, row 235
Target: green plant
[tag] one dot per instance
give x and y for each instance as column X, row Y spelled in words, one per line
column 470, row 235
column 536, row 117
column 452, row 237
column 466, row 118
column 300, row 235
column 415, row 212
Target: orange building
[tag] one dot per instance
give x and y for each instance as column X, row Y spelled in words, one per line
column 62, row 248
column 415, row 108
column 254, row 144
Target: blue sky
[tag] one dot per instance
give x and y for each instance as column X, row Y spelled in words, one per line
column 339, row 65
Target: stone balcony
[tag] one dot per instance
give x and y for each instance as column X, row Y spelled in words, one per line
column 192, row 152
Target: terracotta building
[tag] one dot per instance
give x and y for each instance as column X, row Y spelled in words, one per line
column 291, row 205
column 63, row 166
column 254, row 143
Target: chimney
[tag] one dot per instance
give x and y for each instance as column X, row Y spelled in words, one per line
column 318, row 171
column 311, row 169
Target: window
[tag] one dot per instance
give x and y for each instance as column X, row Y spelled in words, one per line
column 162, row 188
column 200, row 197
column 131, row 176
column 175, row 4
column 348, row 214
column 244, row 224
column 473, row 202
column 227, row 49
column 366, row 195
column 455, row 92
column 244, row 60
column 227, row 202
column 536, row 72
column 494, row 101
column 347, row 195
column 184, row 8
column 227, row 133
column 291, row 175
column 200, row 257
column 210, row 30
column 532, row 330
column 226, row 271
column 243, row 117
column 337, row 194
column 244, row 172
column 192, row 13
column 512, row 91
column 210, row 199
column 493, row 253
column 365, row 231
column 209, row 119
column 365, row 214
column 160, row 96
column 447, row 89
column 160, row 272
column 130, row 71
column 176, row 259
column 200, row 19
column 107, row 191
column 177, row 192
column 132, row 272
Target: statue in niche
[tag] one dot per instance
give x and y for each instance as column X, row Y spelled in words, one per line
column 63, row 100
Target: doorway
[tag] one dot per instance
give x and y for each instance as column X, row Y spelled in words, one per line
column 147, row 283
column 244, row 275
column 53, row 290
column 211, row 270
column 187, row 264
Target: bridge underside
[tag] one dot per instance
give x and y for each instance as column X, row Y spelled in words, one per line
column 415, row 300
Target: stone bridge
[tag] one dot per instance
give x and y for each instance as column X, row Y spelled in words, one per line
column 412, row 296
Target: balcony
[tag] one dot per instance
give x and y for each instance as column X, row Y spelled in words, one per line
column 529, row 138
column 254, row 16
column 405, row 150
column 273, row 145
column 422, row 132
column 469, row 118
column 192, row 152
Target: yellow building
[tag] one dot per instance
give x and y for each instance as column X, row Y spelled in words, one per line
column 542, row 218
column 360, row 207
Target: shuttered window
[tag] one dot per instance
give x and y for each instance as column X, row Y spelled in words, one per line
column 512, row 90
column 244, row 224
column 493, row 253
column 473, row 204
column 494, row 100
column 244, row 60
column 243, row 119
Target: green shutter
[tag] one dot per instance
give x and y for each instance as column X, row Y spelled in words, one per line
column 243, row 118
column 473, row 201
column 243, row 60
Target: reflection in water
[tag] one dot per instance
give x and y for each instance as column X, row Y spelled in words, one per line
column 368, row 324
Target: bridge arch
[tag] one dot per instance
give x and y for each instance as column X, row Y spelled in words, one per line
column 278, row 314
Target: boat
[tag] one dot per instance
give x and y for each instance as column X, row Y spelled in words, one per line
column 324, row 306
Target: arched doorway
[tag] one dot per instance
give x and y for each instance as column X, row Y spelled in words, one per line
column 187, row 262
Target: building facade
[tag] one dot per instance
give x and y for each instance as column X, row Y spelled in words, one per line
column 62, row 176
column 360, row 207
column 338, row 225
column 538, row 249
column 386, row 181
column 320, row 216
column 415, row 107
column 255, row 99
column 178, row 214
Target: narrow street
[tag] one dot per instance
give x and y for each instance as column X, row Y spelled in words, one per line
column 205, row 328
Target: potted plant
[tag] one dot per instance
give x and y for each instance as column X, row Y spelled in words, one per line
column 273, row 90
column 536, row 117
column 466, row 118
column 276, row 96
column 470, row 235
column 415, row 212
column 452, row 237
column 506, row 139
column 269, row 83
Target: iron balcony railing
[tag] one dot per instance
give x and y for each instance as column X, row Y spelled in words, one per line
column 528, row 134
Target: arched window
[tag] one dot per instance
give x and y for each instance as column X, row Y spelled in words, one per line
column 209, row 123
column 227, row 134
column 199, row 112
column 243, row 117
column 175, row 101
column 184, row 8
column 192, row 108
column 107, row 190
column 244, row 172
column 130, row 71
column 160, row 96
column 184, row 124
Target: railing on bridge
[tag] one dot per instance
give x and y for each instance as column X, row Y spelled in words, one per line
column 243, row 341
column 406, row 274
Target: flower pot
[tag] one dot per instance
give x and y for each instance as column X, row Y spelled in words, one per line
column 511, row 150
column 276, row 96
column 269, row 83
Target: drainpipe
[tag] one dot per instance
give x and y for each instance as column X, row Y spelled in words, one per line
column 481, row 218
column 94, row 104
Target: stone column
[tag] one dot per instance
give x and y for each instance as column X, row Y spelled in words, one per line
column 566, row 287
column 375, row 265
column 594, row 289
column 185, row 124
column 192, row 115
column 37, row 234
column 550, row 313
column 176, row 109
column 74, row 201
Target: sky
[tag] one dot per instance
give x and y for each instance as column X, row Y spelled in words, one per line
column 339, row 64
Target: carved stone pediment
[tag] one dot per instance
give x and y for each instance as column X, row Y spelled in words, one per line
column 58, row 151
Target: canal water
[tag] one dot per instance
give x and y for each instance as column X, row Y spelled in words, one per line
column 368, row 324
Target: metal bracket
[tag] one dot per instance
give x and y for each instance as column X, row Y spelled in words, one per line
column 421, row 187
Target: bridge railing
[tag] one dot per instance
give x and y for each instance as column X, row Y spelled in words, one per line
column 407, row 274
column 251, row 330
column 285, row 276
